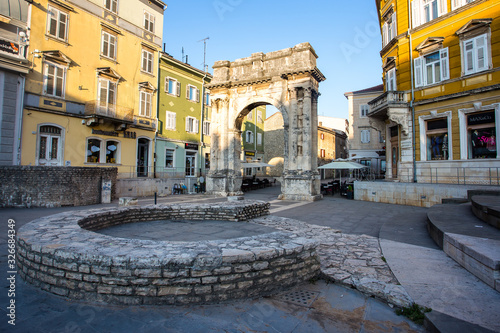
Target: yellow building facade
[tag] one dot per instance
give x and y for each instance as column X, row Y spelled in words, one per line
column 440, row 109
column 91, row 94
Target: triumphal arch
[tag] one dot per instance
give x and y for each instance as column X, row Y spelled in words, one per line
column 287, row 79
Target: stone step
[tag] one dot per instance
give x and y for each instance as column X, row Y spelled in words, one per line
column 487, row 208
column 471, row 242
column 438, row 322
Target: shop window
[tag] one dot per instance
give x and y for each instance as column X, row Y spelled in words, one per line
column 112, row 152
column 437, row 139
column 169, row 158
column 93, row 151
column 481, row 133
column 100, row 151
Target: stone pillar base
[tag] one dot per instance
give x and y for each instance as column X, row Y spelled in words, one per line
column 224, row 186
column 300, row 188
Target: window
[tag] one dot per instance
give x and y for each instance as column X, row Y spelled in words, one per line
column 259, row 138
column 169, row 158
column 170, row 120
column 390, row 80
column 432, row 68
column 145, row 101
column 322, row 153
column 250, row 115
column 322, row 136
column 192, row 125
column 389, row 30
column 100, row 151
column 149, row 22
column 259, row 116
column 190, row 163
column 207, row 161
column 364, row 109
column 475, row 54
column 192, row 93
column 106, row 96
column 424, row 11
column 108, row 45
column 172, row 86
column 111, row 5
column 437, row 139
column 207, row 99
column 365, row 136
column 57, row 24
column 206, row 128
column 249, row 137
column 147, row 61
column 459, row 3
column 481, row 134
column 54, row 80
column 50, row 146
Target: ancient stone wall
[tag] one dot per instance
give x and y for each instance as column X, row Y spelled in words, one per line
column 43, row 186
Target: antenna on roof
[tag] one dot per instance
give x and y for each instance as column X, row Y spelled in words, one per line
column 204, row 40
column 182, row 54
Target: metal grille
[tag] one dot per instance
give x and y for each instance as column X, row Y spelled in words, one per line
column 300, row 297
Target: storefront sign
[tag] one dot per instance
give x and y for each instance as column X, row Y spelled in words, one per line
column 9, row 47
column 481, row 118
column 191, row 146
column 249, row 153
column 108, row 133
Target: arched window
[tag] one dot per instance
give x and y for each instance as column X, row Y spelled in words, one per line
column 49, row 145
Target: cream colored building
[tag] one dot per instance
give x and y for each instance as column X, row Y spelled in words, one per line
column 366, row 142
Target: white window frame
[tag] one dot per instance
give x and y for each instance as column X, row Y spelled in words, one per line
column 364, row 109
column 207, row 99
column 418, row 8
column 389, row 30
column 390, row 80
column 59, row 74
column 54, row 16
column 365, row 136
column 206, row 127
column 249, row 137
column 259, row 139
column 173, row 158
column 149, row 22
column 109, row 104
column 193, row 97
column 170, row 82
column 118, row 151
column 112, row 44
column 259, row 116
column 475, row 53
column 192, row 125
column 462, row 121
column 60, row 145
column 422, row 121
column 147, row 61
column 459, row 3
column 170, row 120
column 145, row 103
column 108, row 4
column 420, row 67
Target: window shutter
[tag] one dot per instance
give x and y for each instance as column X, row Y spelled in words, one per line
column 416, row 10
column 166, row 84
column 187, row 124
column 196, row 126
column 469, row 56
column 442, row 7
column 197, row 95
column 394, row 26
column 178, row 89
column 481, row 53
column 418, row 72
column 445, row 70
column 384, row 35
column 188, row 90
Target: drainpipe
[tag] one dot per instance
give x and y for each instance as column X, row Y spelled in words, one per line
column 202, row 117
column 412, row 96
column 19, row 125
column 157, row 110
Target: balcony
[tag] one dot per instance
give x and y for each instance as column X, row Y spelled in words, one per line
column 98, row 112
column 392, row 105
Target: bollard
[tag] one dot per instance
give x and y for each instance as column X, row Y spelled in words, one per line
column 155, row 198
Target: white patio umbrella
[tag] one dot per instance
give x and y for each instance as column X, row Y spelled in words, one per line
column 255, row 165
column 342, row 164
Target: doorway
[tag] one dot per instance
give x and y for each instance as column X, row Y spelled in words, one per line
column 142, row 157
column 394, row 151
column 190, row 164
column 49, row 146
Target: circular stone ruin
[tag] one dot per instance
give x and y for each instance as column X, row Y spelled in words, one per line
column 62, row 254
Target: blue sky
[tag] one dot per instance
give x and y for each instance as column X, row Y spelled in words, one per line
column 345, row 35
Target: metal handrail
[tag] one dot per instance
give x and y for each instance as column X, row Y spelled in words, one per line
column 454, row 175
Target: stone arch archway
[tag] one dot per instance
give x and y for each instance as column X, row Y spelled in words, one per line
column 287, row 79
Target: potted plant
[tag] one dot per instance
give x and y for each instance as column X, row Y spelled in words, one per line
column 350, row 192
